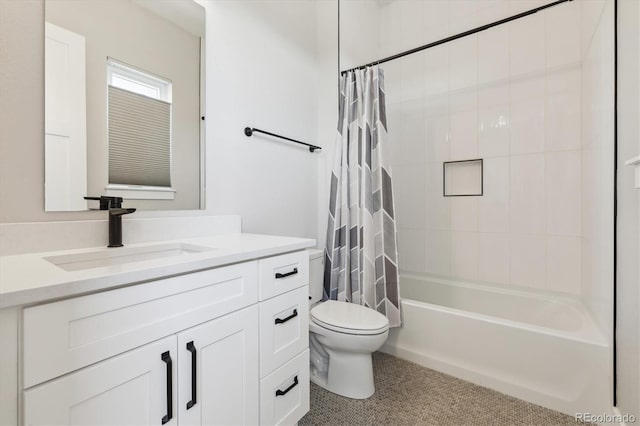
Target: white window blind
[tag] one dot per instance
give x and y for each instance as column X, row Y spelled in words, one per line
column 139, row 139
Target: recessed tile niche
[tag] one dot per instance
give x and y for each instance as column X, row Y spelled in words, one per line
column 462, row 178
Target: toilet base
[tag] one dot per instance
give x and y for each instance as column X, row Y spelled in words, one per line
column 349, row 375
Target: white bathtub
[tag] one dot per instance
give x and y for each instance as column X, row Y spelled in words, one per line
column 544, row 350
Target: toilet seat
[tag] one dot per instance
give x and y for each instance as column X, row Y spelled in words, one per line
column 349, row 318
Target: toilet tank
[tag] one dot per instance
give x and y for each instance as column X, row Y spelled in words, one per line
column 316, row 274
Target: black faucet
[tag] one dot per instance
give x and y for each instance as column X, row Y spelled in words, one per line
column 114, row 205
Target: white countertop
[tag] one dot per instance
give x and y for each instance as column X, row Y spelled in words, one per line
column 29, row 278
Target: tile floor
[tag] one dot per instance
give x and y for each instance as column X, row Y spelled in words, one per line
column 409, row 394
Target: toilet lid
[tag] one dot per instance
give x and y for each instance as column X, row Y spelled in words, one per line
column 351, row 318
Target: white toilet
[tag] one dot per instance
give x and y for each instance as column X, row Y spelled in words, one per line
column 342, row 338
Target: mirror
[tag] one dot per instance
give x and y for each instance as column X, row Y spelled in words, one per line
column 124, row 103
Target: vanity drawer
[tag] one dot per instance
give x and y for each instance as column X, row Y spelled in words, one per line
column 284, row 328
column 279, row 274
column 284, row 394
column 63, row 336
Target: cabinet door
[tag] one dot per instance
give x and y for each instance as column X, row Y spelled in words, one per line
column 135, row 388
column 218, row 371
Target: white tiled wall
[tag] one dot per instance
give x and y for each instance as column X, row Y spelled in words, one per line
column 532, row 98
column 510, row 95
column 597, row 159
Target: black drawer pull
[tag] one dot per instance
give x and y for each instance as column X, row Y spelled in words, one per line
column 279, row 275
column 166, row 358
column 191, row 348
column 293, row 315
column 284, row 392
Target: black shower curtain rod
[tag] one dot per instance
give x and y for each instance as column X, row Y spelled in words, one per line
column 457, row 36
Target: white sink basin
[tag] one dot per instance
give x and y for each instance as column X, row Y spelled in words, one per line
column 121, row 255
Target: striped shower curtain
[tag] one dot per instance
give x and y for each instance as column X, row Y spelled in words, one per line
column 361, row 258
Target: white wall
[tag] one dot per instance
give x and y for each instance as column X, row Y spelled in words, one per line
column 261, row 72
column 628, row 236
column 327, row 98
column 262, row 64
column 359, row 32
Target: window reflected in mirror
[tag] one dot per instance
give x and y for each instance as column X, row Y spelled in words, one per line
column 124, row 90
column 139, row 133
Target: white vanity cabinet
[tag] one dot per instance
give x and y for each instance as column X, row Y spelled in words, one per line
column 64, row 336
column 129, row 389
column 196, row 349
column 159, row 383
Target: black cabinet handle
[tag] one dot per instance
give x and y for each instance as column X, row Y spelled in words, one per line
column 279, row 275
column 191, row 348
column 293, row 315
column 293, row 385
column 166, row 358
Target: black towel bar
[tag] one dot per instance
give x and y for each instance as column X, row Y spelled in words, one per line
column 248, row 131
